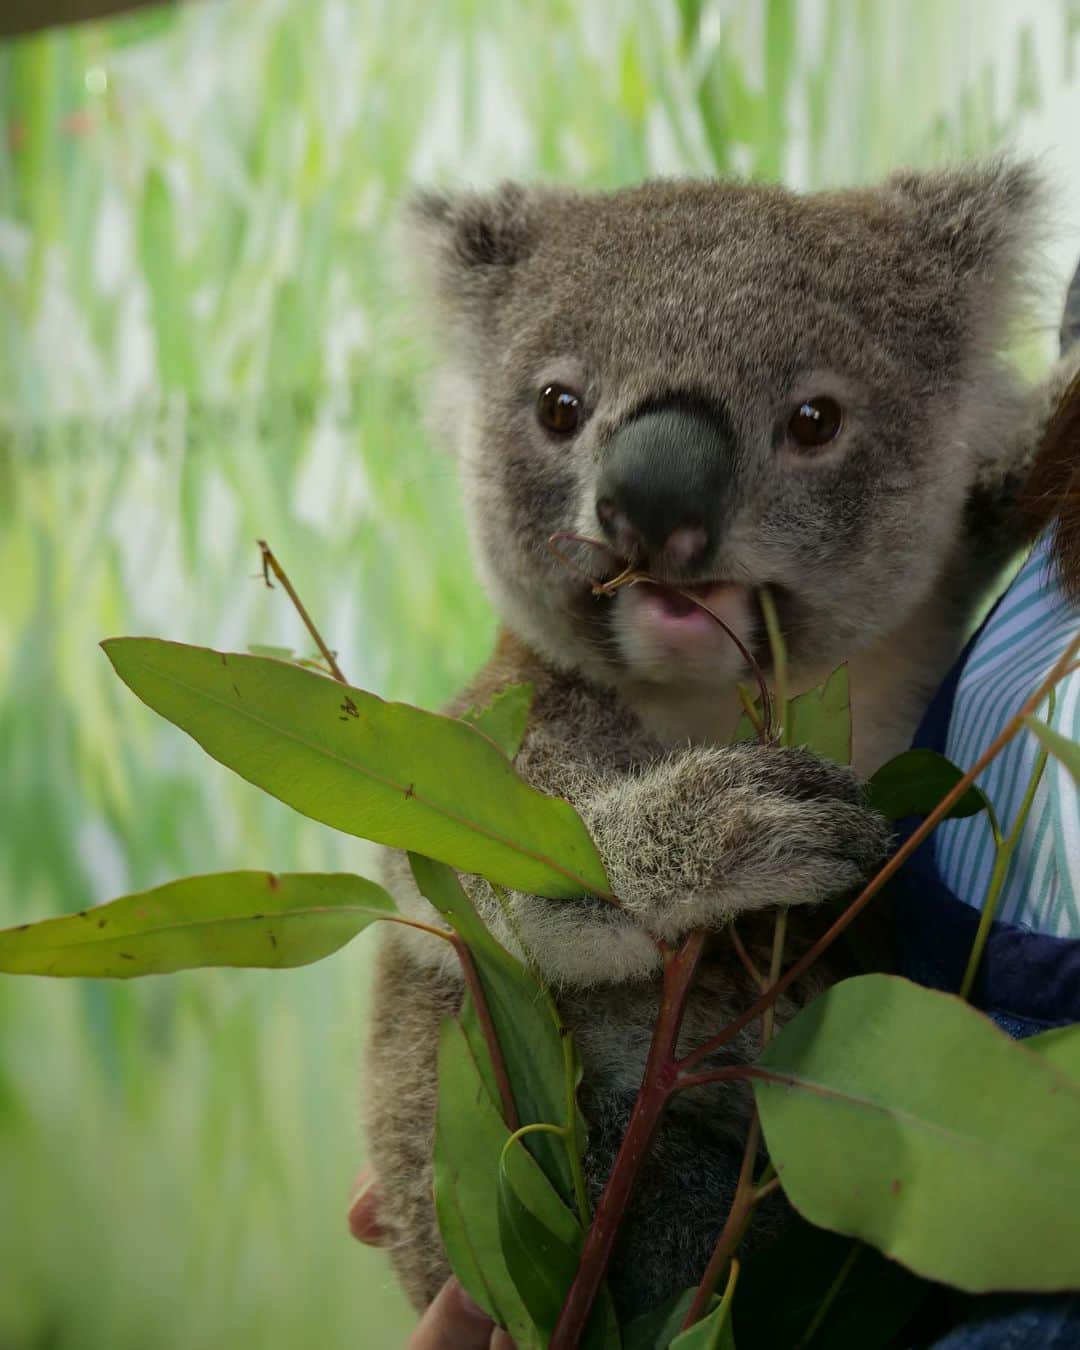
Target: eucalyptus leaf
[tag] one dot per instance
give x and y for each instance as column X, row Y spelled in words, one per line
column 873, row 1304
column 541, row 1244
column 1060, row 1047
column 469, row 1139
column 902, row 1116
column 505, row 718
column 383, row 771
column 915, row 782
column 541, row 1253
column 656, row 1329
column 713, row 1332
column 225, row 919
column 539, row 1053
column 1063, row 749
column 819, row 719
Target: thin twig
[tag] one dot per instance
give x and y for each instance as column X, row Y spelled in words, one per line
column 657, row 1085
column 1013, row 727
column 732, row 1232
column 487, row 1028
column 831, row 1293
column 1004, row 850
column 746, row 959
column 271, row 564
column 631, row 575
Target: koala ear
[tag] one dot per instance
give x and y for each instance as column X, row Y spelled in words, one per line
column 473, row 231
column 978, row 219
column 970, row 237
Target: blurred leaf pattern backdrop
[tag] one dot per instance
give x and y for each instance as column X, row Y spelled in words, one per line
column 202, row 341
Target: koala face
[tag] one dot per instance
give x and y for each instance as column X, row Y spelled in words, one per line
column 732, row 386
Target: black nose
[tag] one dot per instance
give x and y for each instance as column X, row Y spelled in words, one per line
column 665, row 483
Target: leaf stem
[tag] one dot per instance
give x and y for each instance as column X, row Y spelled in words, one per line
column 1004, row 850
column 890, row 869
column 539, row 1127
column 734, row 1226
column 572, row 1135
column 657, row 1085
column 271, row 564
column 750, row 709
column 487, row 1028
column 747, row 960
column 822, row 1311
column 723, row 1312
column 747, row 1192
column 779, row 660
column 779, row 934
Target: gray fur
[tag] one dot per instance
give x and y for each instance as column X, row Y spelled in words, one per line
column 897, row 302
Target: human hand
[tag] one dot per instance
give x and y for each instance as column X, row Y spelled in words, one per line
column 452, row 1321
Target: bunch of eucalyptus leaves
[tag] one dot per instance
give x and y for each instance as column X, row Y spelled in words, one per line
column 918, row 1144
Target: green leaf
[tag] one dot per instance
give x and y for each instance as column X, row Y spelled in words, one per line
column 469, row 1139
column 902, row 1116
column 505, row 718
column 1059, row 1047
column 540, row 1056
column 500, row 1219
column 913, row 783
column 227, row 919
column 267, row 649
column 819, row 719
column 1067, row 751
column 541, row 1253
column 713, row 1332
column 873, row 1304
column 656, row 1329
column 383, row 771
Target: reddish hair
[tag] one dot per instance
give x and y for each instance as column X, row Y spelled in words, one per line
column 1052, row 492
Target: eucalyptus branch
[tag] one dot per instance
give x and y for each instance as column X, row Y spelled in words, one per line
column 271, row 564
column 822, row 1311
column 1012, row 728
column 731, row 1235
column 1003, row 856
column 487, row 1028
column 657, row 1085
column 747, row 960
column 629, row 575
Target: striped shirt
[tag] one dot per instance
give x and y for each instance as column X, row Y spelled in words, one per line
column 1024, row 636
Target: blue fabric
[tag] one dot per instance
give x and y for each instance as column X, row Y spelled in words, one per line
column 1027, row 982
column 1019, row 1322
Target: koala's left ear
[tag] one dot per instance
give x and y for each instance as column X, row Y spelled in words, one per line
column 465, row 246
column 978, row 219
column 474, row 230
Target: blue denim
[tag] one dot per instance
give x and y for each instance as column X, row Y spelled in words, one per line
column 1019, row 1322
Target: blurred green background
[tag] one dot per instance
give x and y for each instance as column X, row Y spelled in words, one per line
column 202, row 341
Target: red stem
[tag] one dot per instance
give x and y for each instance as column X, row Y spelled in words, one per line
column 658, row 1083
column 731, row 1235
column 487, row 1027
column 769, row 997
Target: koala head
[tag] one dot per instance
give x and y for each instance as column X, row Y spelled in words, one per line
column 733, row 386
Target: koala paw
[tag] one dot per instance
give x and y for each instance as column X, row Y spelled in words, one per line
column 709, row 833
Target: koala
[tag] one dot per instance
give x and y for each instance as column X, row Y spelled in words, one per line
column 734, row 387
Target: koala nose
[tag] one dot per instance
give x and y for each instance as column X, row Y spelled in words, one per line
column 665, row 484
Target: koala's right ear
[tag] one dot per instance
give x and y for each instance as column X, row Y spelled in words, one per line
column 467, row 244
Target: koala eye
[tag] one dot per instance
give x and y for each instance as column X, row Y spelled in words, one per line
column 816, row 422
column 559, row 409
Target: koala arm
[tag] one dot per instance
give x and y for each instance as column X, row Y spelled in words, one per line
column 690, row 838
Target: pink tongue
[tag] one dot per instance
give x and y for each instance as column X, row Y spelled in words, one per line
column 678, row 606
